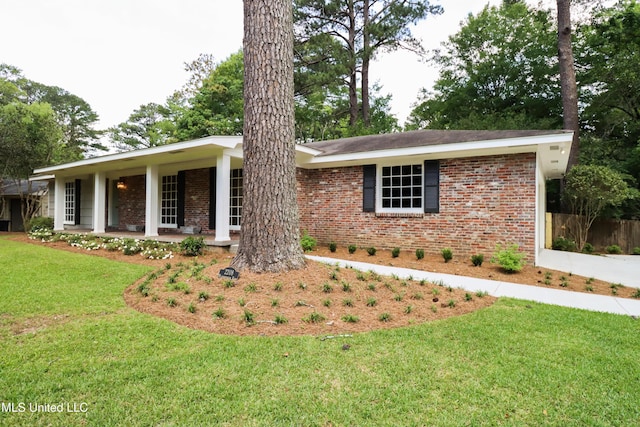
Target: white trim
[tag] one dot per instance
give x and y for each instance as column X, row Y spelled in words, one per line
column 99, row 202
column 379, row 208
column 151, row 205
column 223, row 176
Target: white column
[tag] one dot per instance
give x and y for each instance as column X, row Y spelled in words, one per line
column 58, row 204
column 223, row 178
column 151, row 207
column 99, row 204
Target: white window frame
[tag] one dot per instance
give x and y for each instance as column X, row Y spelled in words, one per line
column 235, row 198
column 69, row 203
column 416, row 181
column 168, row 201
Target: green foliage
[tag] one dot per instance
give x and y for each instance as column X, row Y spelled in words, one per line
column 494, row 74
column 589, row 189
column 192, row 245
column 280, row 319
column 384, row 317
column 371, row 251
column 248, row 317
column 191, row 308
column 371, row 302
column 307, row 242
column 333, row 246
column 314, row 317
column 447, row 254
column 588, row 248
column 636, row 250
column 510, row 258
column 219, row 313
column 40, row 223
column 419, row 253
column 477, row 260
column 172, row 302
column 350, row 318
column 352, row 248
column 613, row 249
column 395, row 252
column 561, row 243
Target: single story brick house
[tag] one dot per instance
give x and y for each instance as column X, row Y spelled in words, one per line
column 430, row 189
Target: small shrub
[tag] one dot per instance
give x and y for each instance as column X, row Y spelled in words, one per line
column 242, row 302
column 191, row 308
column 417, row 296
column 307, row 242
column 229, row 283
column 371, row 302
column 468, row 296
column 350, row 318
column 192, row 246
column 278, row 286
column 447, row 254
column 360, row 276
column 371, row 251
column 352, row 248
column 477, row 260
column 419, row 253
column 451, row 303
column 280, row 319
column 384, row 317
column 348, row 302
column 171, row 302
column 219, row 313
column 636, row 294
column 326, row 303
column 40, row 223
column 346, row 286
column 314, row 317
column 588, row 288
column 590, row 280
column 408, row 309
column 563, row 244
column 613, row 249
column 249, row 317
column 333, row 275
column 302, row 286
column 510, row 259
column 203, row 296
column 481, row 294
column 275, row 302
column 434, row 308
column 251, row 287
column 636, row 251
column 588, row 248
column 219, row 298
column 333, row 246
column 326, row 288
column 398, row 297
column 371, row 286
column 395, row 252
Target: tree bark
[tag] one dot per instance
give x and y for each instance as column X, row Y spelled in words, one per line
column 366, row 59
column 354, row 107
column 568, row 79
column 269, row 239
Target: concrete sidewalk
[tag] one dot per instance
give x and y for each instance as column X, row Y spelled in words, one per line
column 579, row 300
column 623, row 269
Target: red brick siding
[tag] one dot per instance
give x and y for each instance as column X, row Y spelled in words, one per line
column 132, row 201
column 483, row 201
column 196, row 199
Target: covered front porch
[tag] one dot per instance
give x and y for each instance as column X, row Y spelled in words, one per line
column 164, row 193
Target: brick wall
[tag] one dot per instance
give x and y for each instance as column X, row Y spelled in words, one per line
column 483, row 201
column 196, row 199
column 132, row 202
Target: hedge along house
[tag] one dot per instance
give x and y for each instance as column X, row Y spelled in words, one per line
column 467, row 190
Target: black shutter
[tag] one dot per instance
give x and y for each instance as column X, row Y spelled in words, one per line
column 432, row 186
column 77, row 201
column 181, row 190
column 212, row 198
column 369, row 188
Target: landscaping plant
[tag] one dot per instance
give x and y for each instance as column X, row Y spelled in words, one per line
column 510, row 258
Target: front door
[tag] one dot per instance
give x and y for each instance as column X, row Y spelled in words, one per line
column 16, row 215
column 114, row 204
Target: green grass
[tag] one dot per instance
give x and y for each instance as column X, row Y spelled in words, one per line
column 515, row 363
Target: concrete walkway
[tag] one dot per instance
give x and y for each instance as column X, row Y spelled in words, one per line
column 579, row 300
column 623, row 269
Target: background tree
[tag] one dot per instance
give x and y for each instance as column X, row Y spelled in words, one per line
column 270, row 231
column 150, row 125
column 336, row 40
column 499, row 71
column 589, row 190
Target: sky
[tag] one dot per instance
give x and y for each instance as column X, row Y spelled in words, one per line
column 120, row 54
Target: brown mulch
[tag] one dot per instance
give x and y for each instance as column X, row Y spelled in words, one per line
column 346, row 300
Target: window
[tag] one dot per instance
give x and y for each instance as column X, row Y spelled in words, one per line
column 235, row 196
column 410, row 189
column 401, row 187
column 169, row 201
column 70, row 202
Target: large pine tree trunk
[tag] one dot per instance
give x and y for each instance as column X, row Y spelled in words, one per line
column 354, row 107
column 568, row 78
column 269, row 239
column 366, row 59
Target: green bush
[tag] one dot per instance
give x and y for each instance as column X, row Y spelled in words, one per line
column 636, row 250
column 333, row 246
column 192, row 246
column 395, row 252
column 371, row 251
column 477, row 260
column 307, row 242
column 510, row 259
column 419, row 253
column 588, row 248
column 352, row 248
column 447, row 254
column 563, row 244
column 40, row 223
column 613, row 249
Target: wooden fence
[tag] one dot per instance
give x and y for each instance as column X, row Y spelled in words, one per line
column 603, row 232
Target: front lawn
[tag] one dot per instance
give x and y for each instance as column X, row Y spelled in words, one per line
column 68, row 338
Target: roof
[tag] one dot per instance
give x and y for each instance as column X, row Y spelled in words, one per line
column 10, row 187
column 418, row 138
